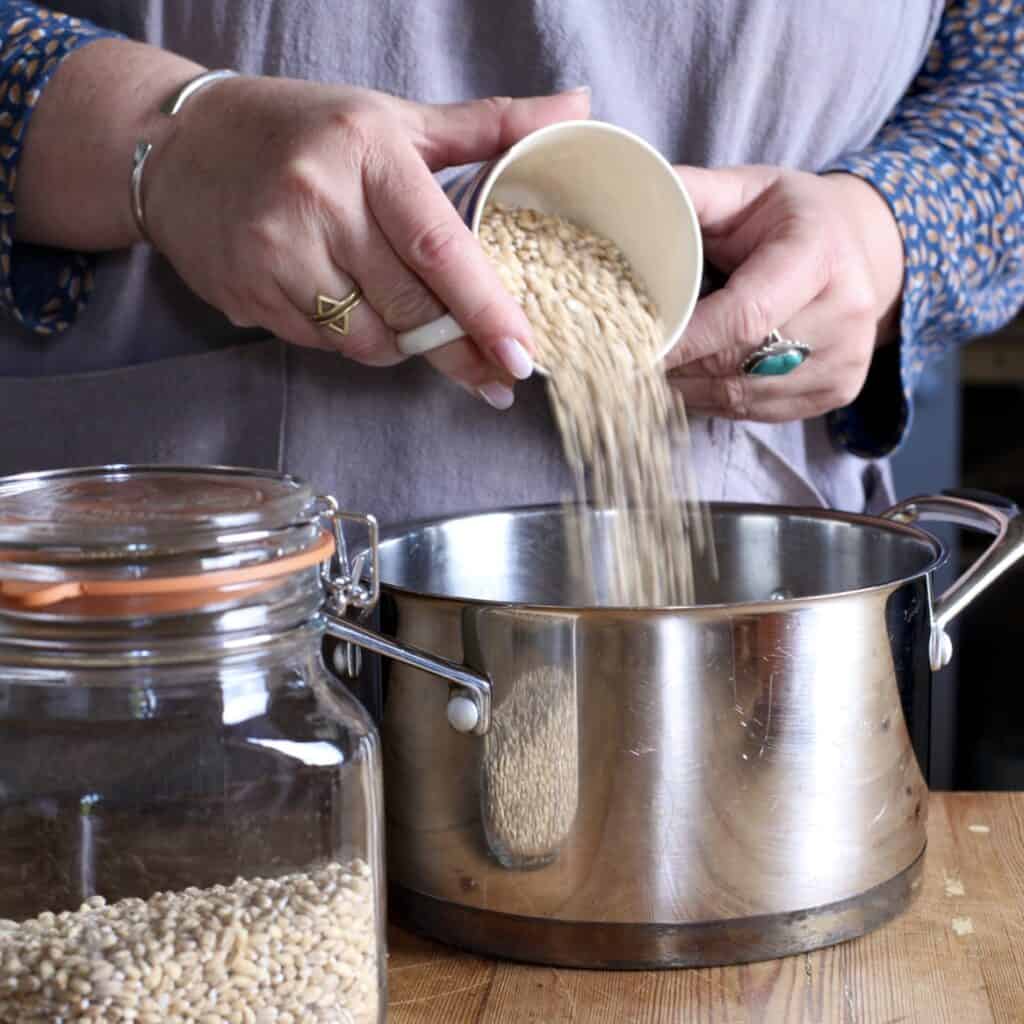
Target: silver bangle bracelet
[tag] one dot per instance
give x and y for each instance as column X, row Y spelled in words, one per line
column 144, row 148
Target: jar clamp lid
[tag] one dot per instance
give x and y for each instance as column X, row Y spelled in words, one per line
column 173, row 538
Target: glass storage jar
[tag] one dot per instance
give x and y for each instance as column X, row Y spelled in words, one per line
column 190, row 819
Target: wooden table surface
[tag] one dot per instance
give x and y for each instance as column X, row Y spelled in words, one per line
column 957, row 955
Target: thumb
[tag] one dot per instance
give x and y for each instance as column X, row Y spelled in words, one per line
column 720, row 193
column 451, row 134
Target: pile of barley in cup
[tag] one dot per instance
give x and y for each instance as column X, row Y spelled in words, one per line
column 300, row 949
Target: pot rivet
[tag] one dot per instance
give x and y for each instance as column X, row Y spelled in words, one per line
column 463, row 714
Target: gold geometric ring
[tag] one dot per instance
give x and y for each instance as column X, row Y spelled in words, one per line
column 334, row 313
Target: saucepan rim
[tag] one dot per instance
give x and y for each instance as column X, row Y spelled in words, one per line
column 400, row 530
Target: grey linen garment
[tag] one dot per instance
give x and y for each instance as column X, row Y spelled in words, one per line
column 149, row 373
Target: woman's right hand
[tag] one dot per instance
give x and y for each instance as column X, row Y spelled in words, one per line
column 265, row 192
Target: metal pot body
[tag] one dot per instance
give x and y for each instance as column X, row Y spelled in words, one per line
column 652, row 779
column 727, row 782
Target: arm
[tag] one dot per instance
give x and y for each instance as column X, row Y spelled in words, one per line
column 950, row 164
column 42, row 291
column 932, row 213
column 263, row 192
column 72, row 187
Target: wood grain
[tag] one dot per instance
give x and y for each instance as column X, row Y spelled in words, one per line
column 917, row 969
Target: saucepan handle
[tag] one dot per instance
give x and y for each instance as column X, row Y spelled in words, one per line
column 973, row 510
column 469, row 695
column 355, row 583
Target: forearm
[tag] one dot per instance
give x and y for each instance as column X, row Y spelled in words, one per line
column 950, row 164
column 72, row 187
column 879, row 236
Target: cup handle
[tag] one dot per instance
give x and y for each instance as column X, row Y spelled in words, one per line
column 427, row 337
column 463, row 192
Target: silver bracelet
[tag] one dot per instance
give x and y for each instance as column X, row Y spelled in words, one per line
column 144, row 148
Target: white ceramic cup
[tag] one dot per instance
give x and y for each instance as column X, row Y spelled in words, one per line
column 607, row 180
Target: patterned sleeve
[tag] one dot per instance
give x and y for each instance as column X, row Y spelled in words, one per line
column 950, row 162
column 43, row 289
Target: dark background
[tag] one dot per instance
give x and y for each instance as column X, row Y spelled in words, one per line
column 969, row 431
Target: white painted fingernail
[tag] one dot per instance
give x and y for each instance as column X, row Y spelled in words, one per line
column 514, row 358
column 497, row 396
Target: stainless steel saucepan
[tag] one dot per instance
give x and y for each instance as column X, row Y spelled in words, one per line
column 609, row 787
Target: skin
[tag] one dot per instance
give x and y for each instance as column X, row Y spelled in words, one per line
column 819, row 257
column 262, row 192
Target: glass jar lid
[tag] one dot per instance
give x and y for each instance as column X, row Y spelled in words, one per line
column 132, row 531
column 153, row 508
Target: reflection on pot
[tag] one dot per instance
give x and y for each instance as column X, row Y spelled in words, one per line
column 530, row 772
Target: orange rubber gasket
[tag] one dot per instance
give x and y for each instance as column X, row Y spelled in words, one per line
column 27, row 595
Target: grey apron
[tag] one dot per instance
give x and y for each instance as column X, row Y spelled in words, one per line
column 150, row 373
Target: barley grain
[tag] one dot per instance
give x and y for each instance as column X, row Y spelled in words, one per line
column 598, row 336
column 168, row 959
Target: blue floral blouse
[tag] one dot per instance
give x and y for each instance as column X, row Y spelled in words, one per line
column 950, row 162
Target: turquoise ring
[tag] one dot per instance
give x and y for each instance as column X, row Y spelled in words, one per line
column 776, row 357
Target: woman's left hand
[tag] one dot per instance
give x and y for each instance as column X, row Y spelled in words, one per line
column 817, row 257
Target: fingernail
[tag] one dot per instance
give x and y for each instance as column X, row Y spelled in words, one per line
column 514, row 358
column 585, row 89
column 497, row 396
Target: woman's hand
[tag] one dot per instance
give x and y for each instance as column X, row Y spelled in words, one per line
column 818, row 257
column 265, row 192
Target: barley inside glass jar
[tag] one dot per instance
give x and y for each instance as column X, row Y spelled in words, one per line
column 190, row 820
